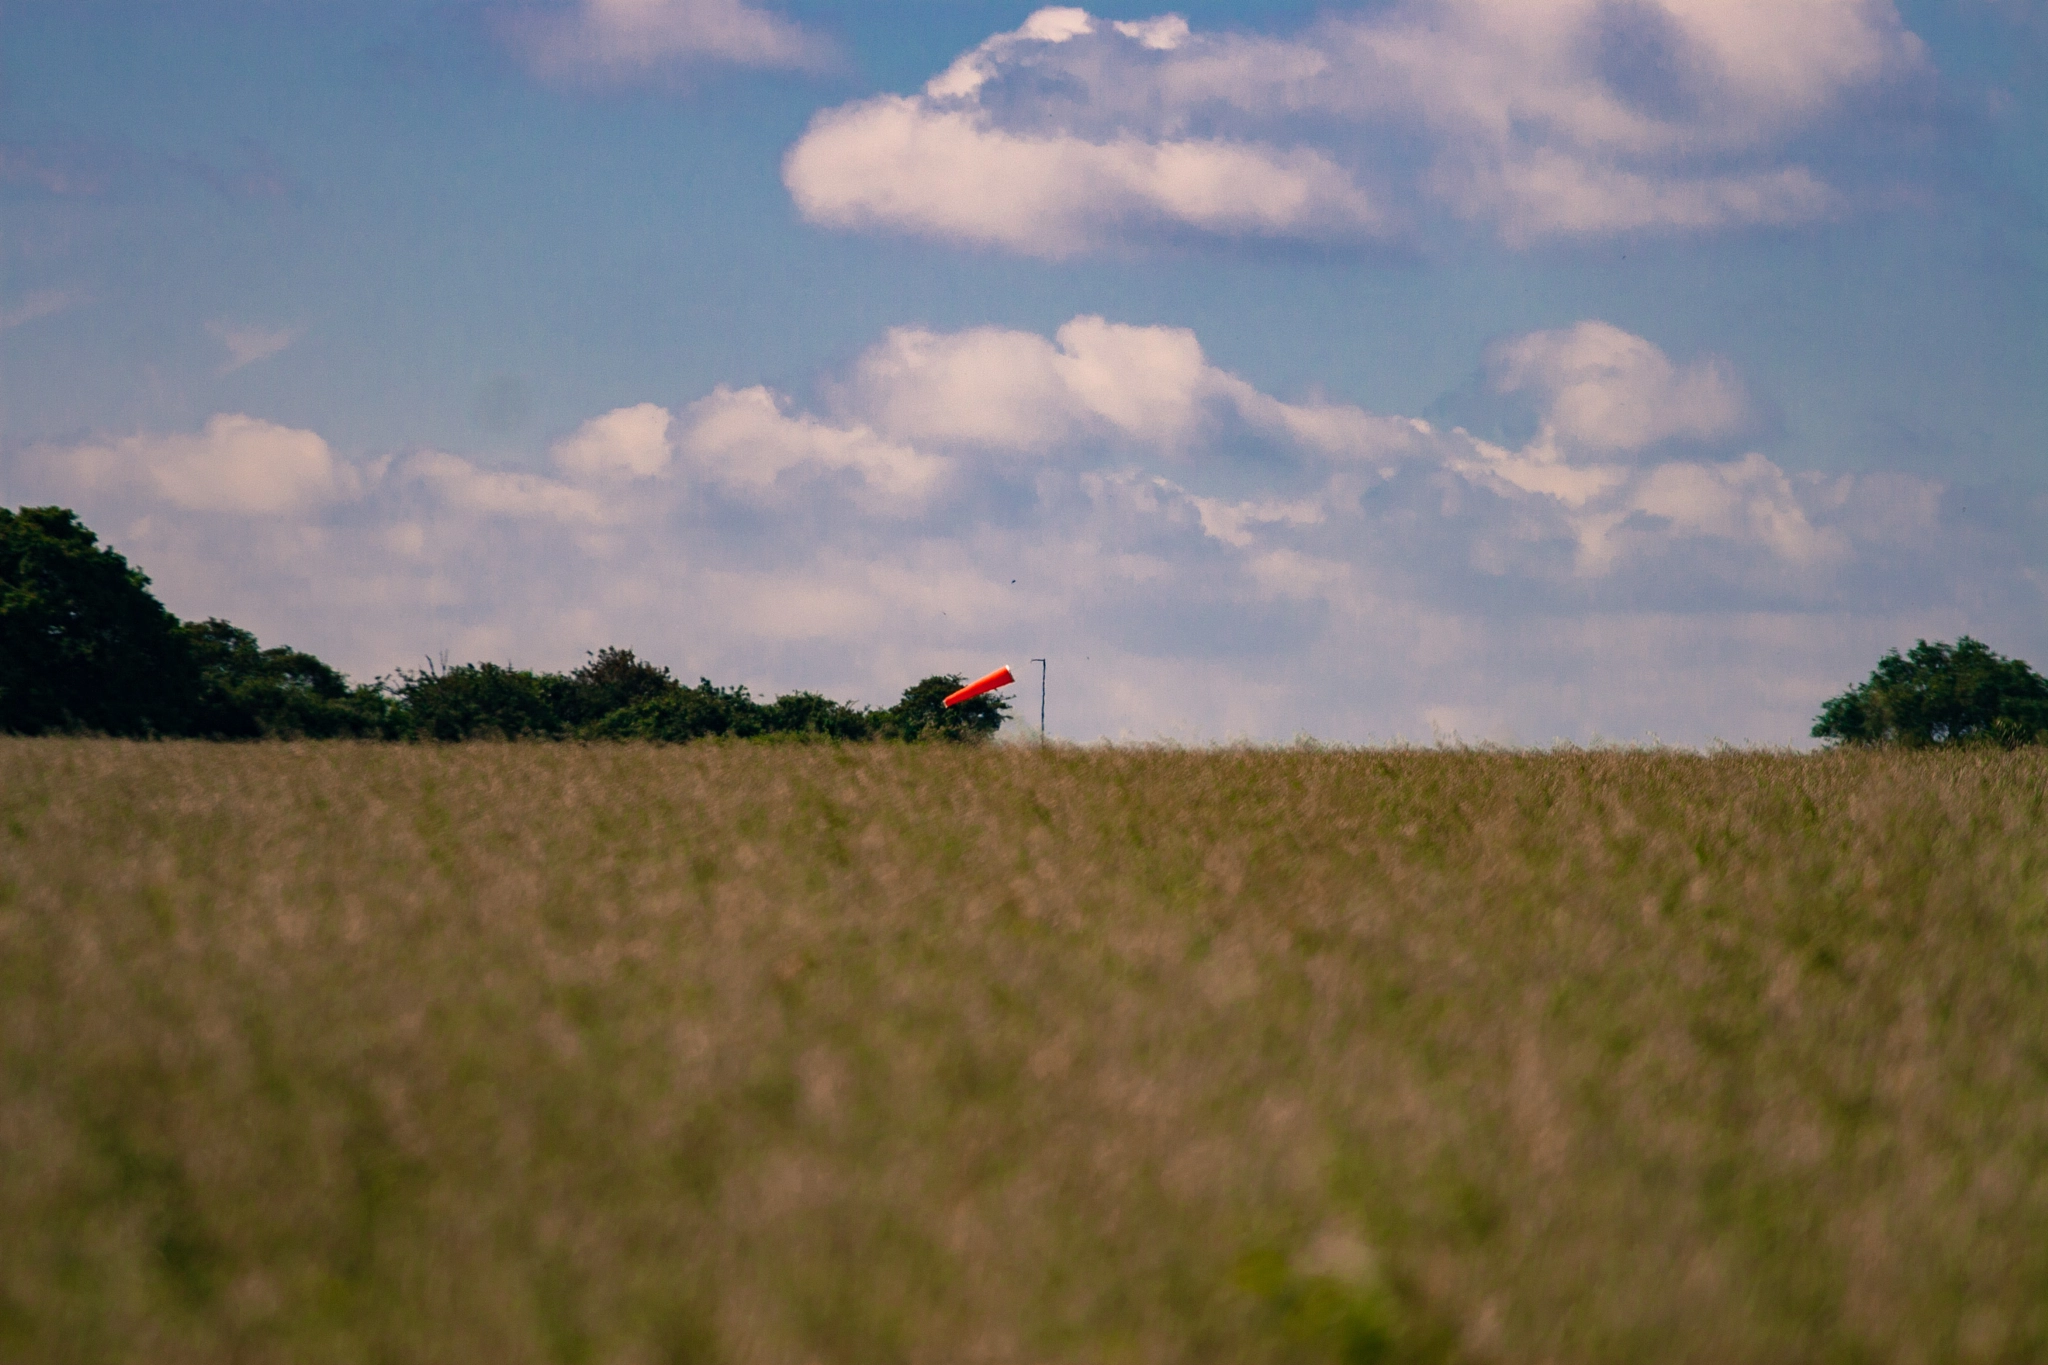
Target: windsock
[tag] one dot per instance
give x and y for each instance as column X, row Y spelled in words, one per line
column 1000, row 678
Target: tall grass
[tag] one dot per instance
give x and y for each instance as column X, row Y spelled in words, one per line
column 508, row 1053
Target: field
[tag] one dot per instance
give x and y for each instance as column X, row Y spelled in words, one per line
column 873, row 1054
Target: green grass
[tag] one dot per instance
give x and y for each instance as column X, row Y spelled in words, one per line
column 730, row 1053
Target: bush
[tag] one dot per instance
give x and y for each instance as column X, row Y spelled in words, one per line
column 84, row 645
column 1941, row 694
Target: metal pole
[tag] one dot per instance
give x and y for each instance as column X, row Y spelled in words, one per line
column 1041, row 699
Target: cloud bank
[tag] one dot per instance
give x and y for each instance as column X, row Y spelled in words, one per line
column 1534, row 118
column 1199, row 557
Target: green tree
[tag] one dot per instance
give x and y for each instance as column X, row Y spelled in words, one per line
column 922, row 713
column 248, row 691
column 810, row 714
column 612, row 680
column 482, row 701
column 84, row 645
column 684, row 714
column 1941, row 694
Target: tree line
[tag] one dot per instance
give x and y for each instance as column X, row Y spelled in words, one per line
column 86, row 648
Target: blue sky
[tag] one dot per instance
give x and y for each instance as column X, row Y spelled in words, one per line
column 1521, row 371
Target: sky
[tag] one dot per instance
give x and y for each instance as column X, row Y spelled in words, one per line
column 1489, row 371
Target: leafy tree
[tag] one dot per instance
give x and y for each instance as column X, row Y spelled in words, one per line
column 1941, row 694
column 612, row 680
column 482, row 701
column 247, row 691
column 922, row 713
column 84, row 645
column 684, row 714
column 812, row 715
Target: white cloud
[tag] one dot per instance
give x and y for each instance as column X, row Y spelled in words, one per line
column 1016, row 389
column 235, row 464
column 1199, row 557
column 1539, row 118
column 1145, row 381
column 1745, row 500
column 1607, row 390
column 623, row 40
column 895, row 162
column 502, row 493
column 1547, row 194
column 994, row 387
column 247, row 345
column 742, row 441
column 1235, row 524
column 1636, row 77
column 986, row 386
column 624, row 443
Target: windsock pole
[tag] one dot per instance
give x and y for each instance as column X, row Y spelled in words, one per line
column 1002, row 677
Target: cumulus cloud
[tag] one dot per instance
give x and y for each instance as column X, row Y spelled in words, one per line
column 236, row 463
column 626, row 40
column 994, row 387
column 1538, row 118
column 1017, row 389
column 1743, row 500
column 743, row 441
column 504, row 493
column 629, row 443
column 1604, row 389
column 1110, row 498
column 899, row 163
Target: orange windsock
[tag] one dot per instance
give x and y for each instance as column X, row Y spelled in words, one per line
column 1000, row 678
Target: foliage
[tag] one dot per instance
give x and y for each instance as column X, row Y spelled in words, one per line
column 809, row 715
column 618, row 696
column 613, row 680
column 83, row 643
column 888, row 1054
column 922, row 713
column 248, row 692
column 84, row 646
column 707, row 711
column 482, row 701
column 1941, row 694
column 687, row 713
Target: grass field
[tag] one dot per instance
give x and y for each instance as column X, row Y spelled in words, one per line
column 726, row 1053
